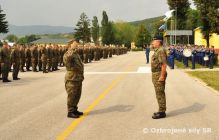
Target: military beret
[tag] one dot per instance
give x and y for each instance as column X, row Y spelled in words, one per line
column 158, row 37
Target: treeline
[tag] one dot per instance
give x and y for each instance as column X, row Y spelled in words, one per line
column 109, row 32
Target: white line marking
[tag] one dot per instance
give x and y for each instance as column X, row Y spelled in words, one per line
column 141, row 70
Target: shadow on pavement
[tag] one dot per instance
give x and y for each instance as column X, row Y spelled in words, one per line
column 196, row 107
column 116, row 108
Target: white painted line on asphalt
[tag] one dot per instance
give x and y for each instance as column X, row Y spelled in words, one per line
column 144, row 70
column 141, row 70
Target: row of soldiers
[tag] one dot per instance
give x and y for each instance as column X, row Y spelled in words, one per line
column 47, row 58
column 204, row 56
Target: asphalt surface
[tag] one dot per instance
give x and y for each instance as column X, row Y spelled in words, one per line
column 118, row 99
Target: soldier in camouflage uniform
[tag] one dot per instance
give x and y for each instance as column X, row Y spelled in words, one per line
column 57, row 58
column 85, row 54
column 159, row 75
column 22, row 58
column 5, row 62
column 34, row 58
column 53, row 58
column 0, row 66
column 15, row 60
column 49, row 59
column 44, row 56
column 28, row 58
column 73, row 80
column 61, row 53
column 40, row 63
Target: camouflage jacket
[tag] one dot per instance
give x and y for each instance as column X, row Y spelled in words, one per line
column 74, row 66
column 34, row 53
column 4, row 55
column 15, row 56
column 27, row 53
column 159, row 57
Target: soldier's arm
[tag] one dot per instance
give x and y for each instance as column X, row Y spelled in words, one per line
column 163, row 61
column 12, row 56
column 77, row 63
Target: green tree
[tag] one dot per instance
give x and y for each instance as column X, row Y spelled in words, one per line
column 209, row 16
column 111, row 34
column 3, row 22
column 124, row 32
column 181, row 7
column 82, row 29
column 95, row 30
column 143, row 37
column 107, row 32
column 11, row 38
column 27, row 39
column 194, row 19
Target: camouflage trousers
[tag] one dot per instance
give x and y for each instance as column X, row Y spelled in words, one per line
column 73, row 90
column 5, row 68
column 40, row 64
column 49, row 66
column 15, row 70
column 28, row 63
column 160, row 91
column 22, row 64
column 44, row 65
column 34, row 64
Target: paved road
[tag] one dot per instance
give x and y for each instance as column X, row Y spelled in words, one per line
column 118, row 98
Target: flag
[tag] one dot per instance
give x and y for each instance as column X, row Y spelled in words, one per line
column 162, row 27
column 169, row 14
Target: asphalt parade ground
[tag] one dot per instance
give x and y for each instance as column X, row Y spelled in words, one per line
column 118, row 99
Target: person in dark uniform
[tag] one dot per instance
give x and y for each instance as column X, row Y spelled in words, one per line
column 211, row 57
column 171, row 57
column 193, row 58
column 147, row 52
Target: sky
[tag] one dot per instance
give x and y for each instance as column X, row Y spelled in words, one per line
column 67, row 12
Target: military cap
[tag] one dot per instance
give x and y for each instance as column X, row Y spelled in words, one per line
column 158, row 37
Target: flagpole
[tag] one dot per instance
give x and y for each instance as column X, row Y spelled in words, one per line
column 175, row 26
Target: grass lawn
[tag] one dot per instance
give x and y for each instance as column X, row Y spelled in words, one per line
column 211, row 78
column 180, row 65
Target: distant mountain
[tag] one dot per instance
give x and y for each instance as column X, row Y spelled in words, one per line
column 149, row 23
column 38, row 30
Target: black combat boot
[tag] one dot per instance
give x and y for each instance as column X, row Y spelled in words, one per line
column 6, row 80
column 159, row 115
column 72, row 115
column 15, row 78
column 79, row 113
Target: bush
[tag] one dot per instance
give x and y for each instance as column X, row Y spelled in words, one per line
column 137, row 49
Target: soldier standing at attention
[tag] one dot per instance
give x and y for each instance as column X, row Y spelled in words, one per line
column 0, row 65
column 44, row 56
column 73, row 80
column 40, row 63
column 34, row 58
column 28, row 58
column 211, row 57
column 159, row 75
column 22, row 58
column 49, row 58
column 15, row 60
column 5, row 62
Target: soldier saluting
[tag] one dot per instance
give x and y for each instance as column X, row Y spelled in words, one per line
column 159, row 75
column 73, row 80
